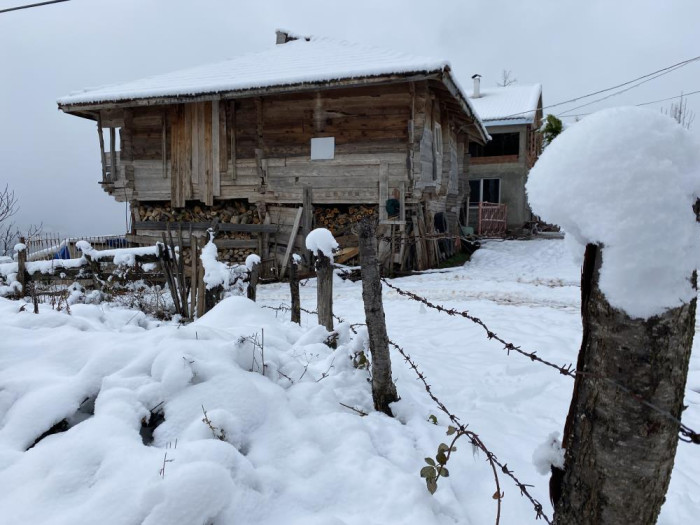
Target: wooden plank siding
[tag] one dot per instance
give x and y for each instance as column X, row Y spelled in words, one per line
column 206, row 151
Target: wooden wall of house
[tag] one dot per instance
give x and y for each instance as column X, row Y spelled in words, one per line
column 259, row 148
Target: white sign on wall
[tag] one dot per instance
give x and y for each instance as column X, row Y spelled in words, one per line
column 323, row 148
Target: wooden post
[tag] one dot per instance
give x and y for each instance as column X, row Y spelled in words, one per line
column 324, row 291
column 307, row 218
column 294, row 290
column 201, row 287
column 181, row 272
column 193, row 278
column 254, row 274
column 22, row 267
column 164, row 261
column 102, row 148
column 113, row 155
column 383, row 388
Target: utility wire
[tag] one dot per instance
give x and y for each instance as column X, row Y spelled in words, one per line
column 621, row 91
column 655, row 74
column 641, row 104
column 31, row 5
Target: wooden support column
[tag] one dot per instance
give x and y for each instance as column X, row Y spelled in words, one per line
column 102, row 148
column 232, row 128
column 113, row 173
column 260, row 147
column 307, row 217
column 164, row 144
column 216, row 149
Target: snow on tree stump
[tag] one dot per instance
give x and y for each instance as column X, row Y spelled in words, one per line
column 623, row 183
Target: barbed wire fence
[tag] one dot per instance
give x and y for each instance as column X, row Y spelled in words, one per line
column 460, row 429
column 687, row 434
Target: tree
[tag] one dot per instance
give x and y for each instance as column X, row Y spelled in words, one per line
column 680, row 113
column 8, row 207
column 506, row 79
column 551, row 129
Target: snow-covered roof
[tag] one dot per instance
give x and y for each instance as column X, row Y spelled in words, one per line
column 503, row 106
column 306, row 60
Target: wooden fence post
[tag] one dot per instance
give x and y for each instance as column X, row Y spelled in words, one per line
column 294, row 289
column 22, row 266
column 383, row 388
column 254, row 274
column 324, row 291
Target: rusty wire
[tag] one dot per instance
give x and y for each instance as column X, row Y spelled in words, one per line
column 475, row 440
column 687, row 435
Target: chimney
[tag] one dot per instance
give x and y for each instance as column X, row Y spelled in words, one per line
column 284, row 36
column 477, row 85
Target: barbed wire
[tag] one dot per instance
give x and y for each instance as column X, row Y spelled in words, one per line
column 687, row 435
column 475, row 440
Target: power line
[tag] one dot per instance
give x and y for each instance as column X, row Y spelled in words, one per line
column 654, row 74
column 31, row 5
column 641, row 104
column 622, row 90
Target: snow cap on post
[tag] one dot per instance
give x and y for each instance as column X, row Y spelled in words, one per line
column 251, row 261
column 20, row 247
column 627, row 179
column 321, row 240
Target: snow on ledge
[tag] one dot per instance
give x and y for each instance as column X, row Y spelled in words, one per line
column 627, row 178
column 321, row 240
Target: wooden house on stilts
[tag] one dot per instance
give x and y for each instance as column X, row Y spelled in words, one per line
column 311, row 132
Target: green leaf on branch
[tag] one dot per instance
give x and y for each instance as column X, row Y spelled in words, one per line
column 428, row 472
column 430, row 461
column 431, row 484
column 441, row 458
column 451, row 430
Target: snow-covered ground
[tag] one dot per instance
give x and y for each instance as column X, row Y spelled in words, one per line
column 291, row 453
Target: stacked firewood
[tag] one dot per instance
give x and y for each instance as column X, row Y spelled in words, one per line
column 234, row 212
column 340, row 220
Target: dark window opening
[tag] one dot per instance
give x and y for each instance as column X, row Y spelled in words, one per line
column 484, row 190
column 500, row 144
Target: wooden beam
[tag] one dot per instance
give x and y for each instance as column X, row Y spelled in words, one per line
column 200, row 226
column 290, row 244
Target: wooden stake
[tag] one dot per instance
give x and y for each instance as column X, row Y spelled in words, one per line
column 254, row 274
column 294, row 290
column 324, row 291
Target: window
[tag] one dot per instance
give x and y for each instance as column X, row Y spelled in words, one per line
column 501, row 144
column 484, row 190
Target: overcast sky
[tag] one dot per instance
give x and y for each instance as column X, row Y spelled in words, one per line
column 51, row 160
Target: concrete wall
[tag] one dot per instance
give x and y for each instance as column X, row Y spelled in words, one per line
column 513, row 177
